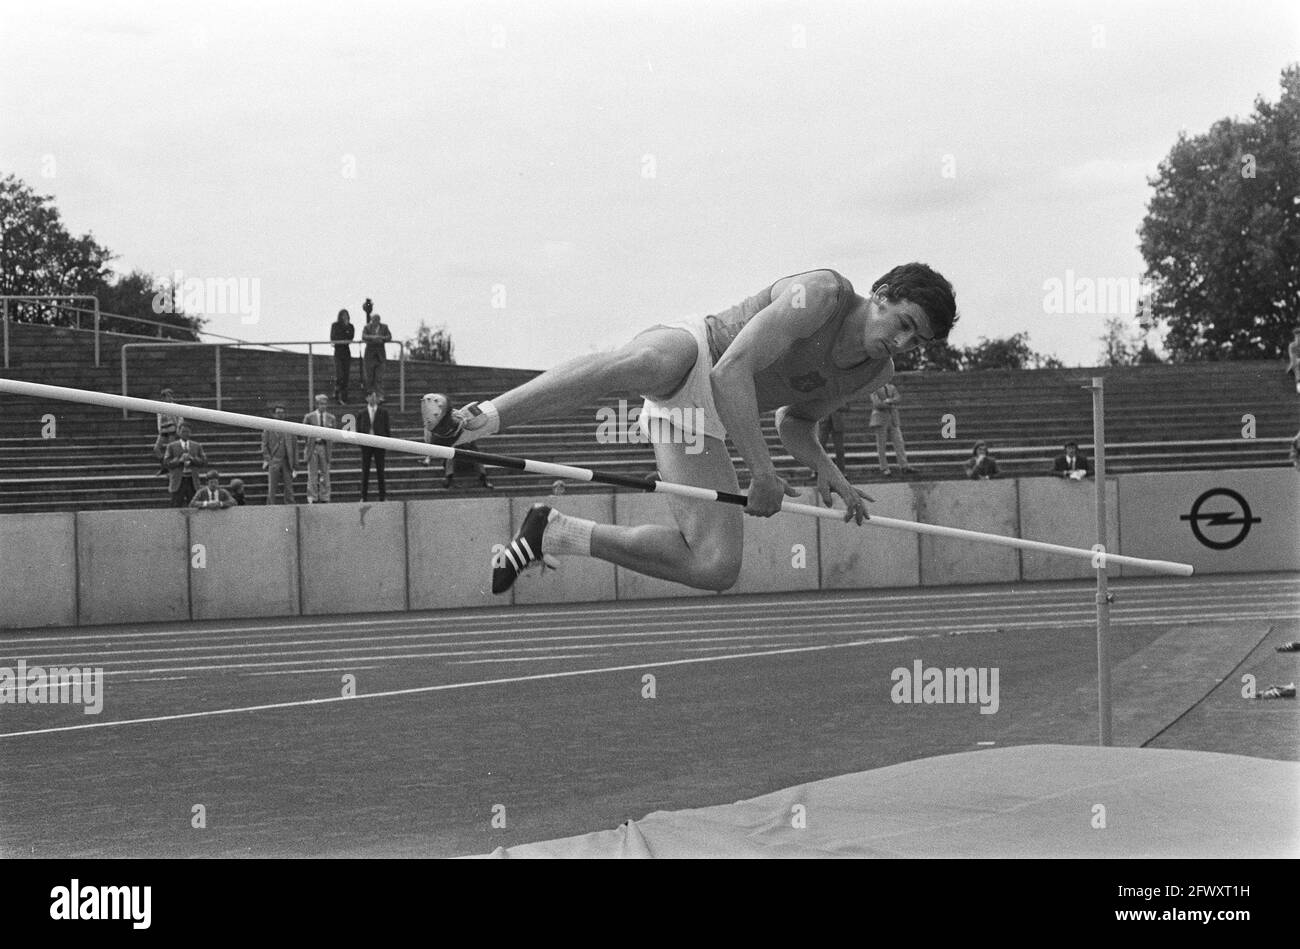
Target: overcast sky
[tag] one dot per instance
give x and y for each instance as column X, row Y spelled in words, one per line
column 600, row 167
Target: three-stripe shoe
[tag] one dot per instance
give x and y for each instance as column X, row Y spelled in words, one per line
column 523, row 551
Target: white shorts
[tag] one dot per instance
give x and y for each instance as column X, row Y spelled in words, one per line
column 691, row 407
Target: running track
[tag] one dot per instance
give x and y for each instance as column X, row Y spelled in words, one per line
column 536, row 714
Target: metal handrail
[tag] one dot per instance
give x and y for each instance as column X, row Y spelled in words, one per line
column 54, row 297
column 309, row 343
column 162, row 326
column 5, row 298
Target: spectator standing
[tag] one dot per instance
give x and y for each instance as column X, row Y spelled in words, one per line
column 342, row 329
column 375, row 335
column 212, row 496
column 884, row 420
column 184, row 460
column 833, row 428
column 1071, row 465
column 373, row 420
column 1294, row 352
column 981, row 465
column 432, row 408
column 167, row 429
column 318, row 453
column 279, row 449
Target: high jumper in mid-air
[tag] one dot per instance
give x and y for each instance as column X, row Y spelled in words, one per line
column 801, row 347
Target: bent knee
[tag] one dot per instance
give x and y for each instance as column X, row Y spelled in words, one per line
column 718, row 572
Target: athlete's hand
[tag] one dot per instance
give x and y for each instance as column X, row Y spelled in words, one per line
column 831, row 479
column 766, row 492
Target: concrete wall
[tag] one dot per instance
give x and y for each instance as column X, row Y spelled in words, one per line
column 1060, row 511
column 137, row 566
column 770, row 562
column 855, row 557
column 449, row 551
column 132, row 566
column 1156, row 511
column 353, row 557
column 251, row 562
column 38, row 570
column 988, row 506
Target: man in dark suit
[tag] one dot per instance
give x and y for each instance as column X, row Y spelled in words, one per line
column 184, row 460
column 1071, row 465
column 373, row 420
column 376, row 335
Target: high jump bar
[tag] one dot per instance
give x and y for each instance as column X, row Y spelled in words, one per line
column 35, row 390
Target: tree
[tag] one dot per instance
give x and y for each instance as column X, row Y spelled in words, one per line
column 1221, row 237
column 1013, row 352
column 1010, row 353
column 38, row 257
column 433, row 344
column 1121, row 346
column 133, row 294
column 37, row 254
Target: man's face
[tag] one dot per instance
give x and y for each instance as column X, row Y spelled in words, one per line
column 372, row 399
column 894, row 328
column 213, row 485
column 279, row 412
column 320, row 404
column 184, row 433
column 1070, row 451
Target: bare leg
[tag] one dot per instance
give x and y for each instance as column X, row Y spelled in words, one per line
column 653, row 363
column 704, row 549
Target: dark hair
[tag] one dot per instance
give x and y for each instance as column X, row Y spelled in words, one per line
column 975, row 450
column 928, row 289
column 342, row 313
column 1074, row 445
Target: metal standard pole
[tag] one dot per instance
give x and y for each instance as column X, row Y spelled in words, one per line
column 1103, row 597
column 311, row 378
column 96, row 332
column 401, row 375
column 125, row 413
column 6, row 321
column 217, row 350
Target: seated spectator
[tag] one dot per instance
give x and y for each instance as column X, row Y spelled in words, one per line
column 981, row 465
column 1071, row 465
column 237, row 491
column 167, row 428
column 184, row 460
column 212, row 496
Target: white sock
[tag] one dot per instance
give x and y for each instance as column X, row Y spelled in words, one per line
column 482, row 425
column 567, row 535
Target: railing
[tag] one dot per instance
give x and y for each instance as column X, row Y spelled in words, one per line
column 311, row 374
column 99, row 316
column 52, row 297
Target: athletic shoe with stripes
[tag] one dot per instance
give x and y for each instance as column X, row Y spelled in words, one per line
column 523, row 551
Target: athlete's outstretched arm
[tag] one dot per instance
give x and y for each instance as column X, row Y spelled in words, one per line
column 797, row 313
